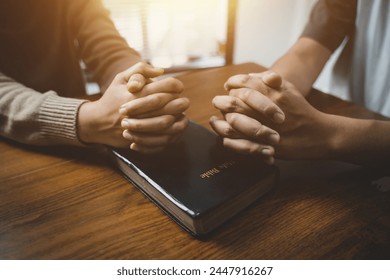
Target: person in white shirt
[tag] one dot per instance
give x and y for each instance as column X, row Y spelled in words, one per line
column 266, row 114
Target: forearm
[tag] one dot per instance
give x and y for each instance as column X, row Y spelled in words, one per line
column 102, row 48
column 359, row 141
column 330, row 22
column 34, row 118
column 302, row 64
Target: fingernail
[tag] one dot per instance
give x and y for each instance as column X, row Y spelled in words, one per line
column 134, row 85
column 213, row 118
column 125, row 123
column 127, row 136
column 135, row 82
column 274, row 138
column 266, row 152
column 158, row 69
column 133, row 146
column 278, row 117
column 225, row 86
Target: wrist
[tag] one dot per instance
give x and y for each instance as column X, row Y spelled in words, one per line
column 86, row 123
column 353, row 139
column 331, row 136
column 346, row 137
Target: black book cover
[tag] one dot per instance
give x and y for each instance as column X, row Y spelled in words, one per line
column 196, row 181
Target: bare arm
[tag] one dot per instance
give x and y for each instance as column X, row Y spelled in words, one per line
column 330, row 23
column 302, row 64
column 306, row 132
column 358, row 141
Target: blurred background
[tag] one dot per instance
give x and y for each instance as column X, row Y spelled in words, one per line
column 184, row 34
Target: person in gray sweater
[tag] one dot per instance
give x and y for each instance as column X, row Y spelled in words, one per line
column 42, row 83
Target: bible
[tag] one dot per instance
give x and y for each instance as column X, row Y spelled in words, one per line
column 196, row 181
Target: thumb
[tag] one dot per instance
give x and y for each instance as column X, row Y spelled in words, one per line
column 146, row 70
column 272, row 79
column 151, row 72
column 136, row 83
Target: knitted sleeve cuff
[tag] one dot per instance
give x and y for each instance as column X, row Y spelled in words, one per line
column 58, row 120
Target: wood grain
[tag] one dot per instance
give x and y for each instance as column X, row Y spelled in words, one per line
column 71, row 203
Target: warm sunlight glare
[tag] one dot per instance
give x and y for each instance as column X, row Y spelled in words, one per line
column 172, row 32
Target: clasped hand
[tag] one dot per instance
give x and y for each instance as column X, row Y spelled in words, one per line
column 263, row 115
column 136, row 111
column 267, row 116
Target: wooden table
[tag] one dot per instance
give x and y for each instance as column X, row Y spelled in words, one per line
column 70, row 203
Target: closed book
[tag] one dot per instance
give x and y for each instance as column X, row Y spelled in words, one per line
column 197, row 182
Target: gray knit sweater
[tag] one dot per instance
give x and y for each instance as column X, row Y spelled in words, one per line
column 41, row 45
